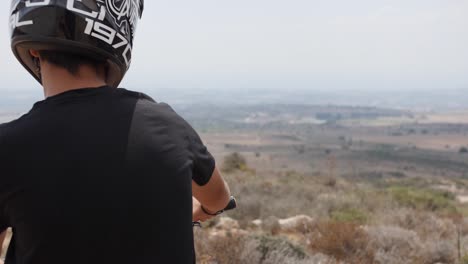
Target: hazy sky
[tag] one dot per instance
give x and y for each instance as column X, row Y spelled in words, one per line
column 289, row 44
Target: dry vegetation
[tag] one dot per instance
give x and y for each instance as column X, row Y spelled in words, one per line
column 338, row 185
column 388, row 219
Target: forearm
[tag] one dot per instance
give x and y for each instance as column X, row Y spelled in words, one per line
column 217, row 201
column 215, row 195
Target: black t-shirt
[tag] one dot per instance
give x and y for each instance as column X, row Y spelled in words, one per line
column 100, row 175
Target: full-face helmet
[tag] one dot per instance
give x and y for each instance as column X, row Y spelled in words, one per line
column 100, row 29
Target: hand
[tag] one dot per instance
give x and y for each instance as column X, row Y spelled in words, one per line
column 197, row 213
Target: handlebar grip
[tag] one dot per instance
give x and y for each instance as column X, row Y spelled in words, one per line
column 232, row 204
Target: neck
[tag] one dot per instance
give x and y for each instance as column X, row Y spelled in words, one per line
column 56, row 80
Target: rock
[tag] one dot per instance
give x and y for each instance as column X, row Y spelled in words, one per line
column 271, row 225
column 257, row 223
column 226, row 223
column 300, row 223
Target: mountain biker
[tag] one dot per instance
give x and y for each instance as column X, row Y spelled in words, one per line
column 93, row 173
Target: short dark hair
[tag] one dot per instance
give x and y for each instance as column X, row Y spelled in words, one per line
column 69, row 61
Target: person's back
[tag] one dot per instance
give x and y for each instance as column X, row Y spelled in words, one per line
column 96, row 174
column 96, row 168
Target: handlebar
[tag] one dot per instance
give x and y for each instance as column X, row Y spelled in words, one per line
column 231, row 205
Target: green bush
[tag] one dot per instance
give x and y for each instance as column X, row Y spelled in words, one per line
column 423, row 199
column 349, row 215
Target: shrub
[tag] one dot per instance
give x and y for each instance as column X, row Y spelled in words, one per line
column 331, row 182
column 394, row 245
column 427, row 225
column 233, row 162
column 219, row 249
column 235, row 248
column 349, row 215
column 432, row 239
column 270, row 247
column 258, row 194
column 425, row 199
column 343, row 241
column 439, row 251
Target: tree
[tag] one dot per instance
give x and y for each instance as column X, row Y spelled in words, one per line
column 233, row 162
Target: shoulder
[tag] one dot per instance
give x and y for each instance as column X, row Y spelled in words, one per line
column 12, row 126
column 17, row 129
column 5, row 127
column 149, row 107
column 152, row 114
column 3, row 132
column 147, row 110
column 146, row 103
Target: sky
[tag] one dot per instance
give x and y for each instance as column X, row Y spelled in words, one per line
column 288, row 44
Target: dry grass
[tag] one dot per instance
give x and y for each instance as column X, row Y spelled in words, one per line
column 354, row 221
column 394, row 245
column 243, row 248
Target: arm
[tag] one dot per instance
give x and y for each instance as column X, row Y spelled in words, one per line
column 214, row 196
column 2, row 239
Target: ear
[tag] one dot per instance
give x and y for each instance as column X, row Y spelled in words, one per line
column 34, row 53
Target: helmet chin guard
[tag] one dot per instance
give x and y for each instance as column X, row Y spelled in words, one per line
column 101, row 29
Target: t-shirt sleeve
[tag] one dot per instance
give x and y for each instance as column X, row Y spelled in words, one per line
column 203, row 161
column 3, row 224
